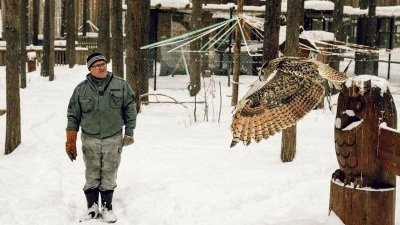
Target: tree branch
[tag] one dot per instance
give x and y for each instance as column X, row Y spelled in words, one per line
column 175, row 101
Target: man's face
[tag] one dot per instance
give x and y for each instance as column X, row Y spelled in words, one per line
column 99, row 69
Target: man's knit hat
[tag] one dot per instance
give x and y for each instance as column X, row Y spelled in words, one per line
column 94, row 57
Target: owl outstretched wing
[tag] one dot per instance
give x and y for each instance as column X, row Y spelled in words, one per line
column 289, row 87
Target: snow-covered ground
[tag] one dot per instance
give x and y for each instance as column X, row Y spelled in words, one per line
column 178, row 171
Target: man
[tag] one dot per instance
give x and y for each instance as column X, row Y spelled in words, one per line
column 101, row 105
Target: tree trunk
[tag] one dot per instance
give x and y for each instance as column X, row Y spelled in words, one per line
column 13, row 118
column 117, row 45
column 63, row 18
column 132, row 48
column 195, row 61
column 145, row 59
column 271, row 30
column 366, row 35
column 48, row 40
column 85, row 11
column 337, row 30
column 236, row 58
column 371, row 38
column 137, row 34
column 288, row 148
column 71, row 33
column 77, row 13
column 51, row 29
column 3, row 15
column 23, row 22
column 103, row 41
column 35, row 21
column 207, row 21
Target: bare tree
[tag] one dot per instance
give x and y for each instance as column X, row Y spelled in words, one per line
column 366, row 63
column 337, row 28
column 23, row 23
column 137, row 34
column 271, row 30
column 63, row 18
column 35, row 21
column 13, row 119
column 236, row 59
column 3, row 14
column 144, row 63
column 85, row 12
column 372, row 38
column 103, row 41
column 117, row 45
column 195, row 61
column 71, row 33
column 48, row 40
column 288, row 148
column 207, row 21
column 78, row 10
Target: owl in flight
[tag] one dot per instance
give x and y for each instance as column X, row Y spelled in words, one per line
column 287, row 89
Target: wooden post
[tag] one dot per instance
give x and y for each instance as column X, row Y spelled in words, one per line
column 363, row 206
column 236, row 57
column 31, row 65
column 363, row 190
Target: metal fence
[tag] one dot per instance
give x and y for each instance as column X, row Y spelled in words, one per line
column 384, row 63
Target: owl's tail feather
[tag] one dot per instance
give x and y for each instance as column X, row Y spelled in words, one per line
column 247, row 128
column 258, row 130
column 236, row 128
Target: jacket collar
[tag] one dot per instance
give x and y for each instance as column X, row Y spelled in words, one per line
column 91, row 82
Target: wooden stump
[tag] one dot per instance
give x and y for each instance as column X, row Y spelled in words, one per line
column 363, row 206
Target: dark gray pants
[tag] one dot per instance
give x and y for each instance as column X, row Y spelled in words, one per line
column 102, row 158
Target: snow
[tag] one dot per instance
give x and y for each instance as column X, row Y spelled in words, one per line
column 351, row 185
column 384, row 126
column 170, row 3
column 319, row 5
column 376, row 82
column 350, row 113
column 338, row 123
column 319, row 35
column 31, row 55
column 178, row 171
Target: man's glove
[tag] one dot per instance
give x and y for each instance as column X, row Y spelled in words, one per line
column 128, row 140
column 70, row 145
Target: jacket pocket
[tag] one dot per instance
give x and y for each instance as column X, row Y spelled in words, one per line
column 116, row 100
column 87, row 105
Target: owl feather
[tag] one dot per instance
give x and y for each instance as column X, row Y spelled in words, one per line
column 288, row 88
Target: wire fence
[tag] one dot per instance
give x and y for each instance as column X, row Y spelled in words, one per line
column 383, row 62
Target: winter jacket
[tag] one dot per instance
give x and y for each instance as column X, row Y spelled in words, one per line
column 102, row 111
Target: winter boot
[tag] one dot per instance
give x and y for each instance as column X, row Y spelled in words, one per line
column 92, row 198
column 106, row 204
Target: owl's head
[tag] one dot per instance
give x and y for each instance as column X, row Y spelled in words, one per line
column 364, row 98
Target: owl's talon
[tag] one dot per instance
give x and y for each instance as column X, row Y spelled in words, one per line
column 338, row 174
column 347, row 181
column 360, row 182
